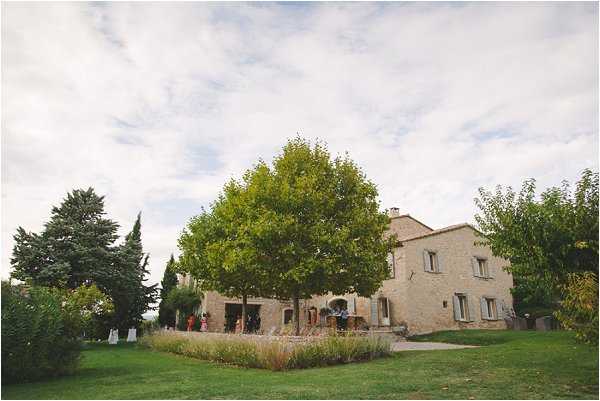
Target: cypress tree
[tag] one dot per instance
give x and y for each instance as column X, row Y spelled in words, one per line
column 166, row 315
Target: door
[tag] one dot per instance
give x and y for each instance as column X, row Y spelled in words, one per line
column 384, row 311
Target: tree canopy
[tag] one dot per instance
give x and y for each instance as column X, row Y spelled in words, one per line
column 166, row 315
column 306, row 225
column 545, row 240
column 77, row 246
column 74, row 247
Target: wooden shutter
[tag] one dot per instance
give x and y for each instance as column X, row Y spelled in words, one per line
column 490, row 269
column 475, row 265
column 471, row 301
column 389, row 310
column 484, row 310
column 352, row 306
column 499, row 309
column 374, row 312
column 426, row 261
column 456, row 306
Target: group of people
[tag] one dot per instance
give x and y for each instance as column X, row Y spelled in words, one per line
column 191, row 321
column 252, row 324
column 341, row 317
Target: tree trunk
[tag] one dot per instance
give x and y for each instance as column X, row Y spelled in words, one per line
column 244, row 302
column 296, row 315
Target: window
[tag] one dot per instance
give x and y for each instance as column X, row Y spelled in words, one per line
column 489, row 309
column 461, row 308
column 480, row 267
column 391, row 264
column 384, row 311
column 431, row 261
column 288, row 316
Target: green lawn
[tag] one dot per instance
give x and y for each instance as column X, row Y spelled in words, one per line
column 514, row 365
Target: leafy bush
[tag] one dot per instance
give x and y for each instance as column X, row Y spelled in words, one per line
column 274, row 355
column 183, row 299
column 39, row 336
column 148, row 327
column 579, row 308
column 87, row 304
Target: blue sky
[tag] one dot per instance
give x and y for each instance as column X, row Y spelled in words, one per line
column 157, row 105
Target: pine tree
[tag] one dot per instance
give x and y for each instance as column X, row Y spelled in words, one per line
column 75, row 247
column 131, row 297
column 166, row 316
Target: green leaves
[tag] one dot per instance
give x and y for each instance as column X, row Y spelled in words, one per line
column 77, row 247
column 304, row 226
column 544, row 239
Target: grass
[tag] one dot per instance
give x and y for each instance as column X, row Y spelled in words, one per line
column 515, row 364
column 252, row 352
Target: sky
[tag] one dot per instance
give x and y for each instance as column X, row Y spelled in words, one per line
column 157, row 105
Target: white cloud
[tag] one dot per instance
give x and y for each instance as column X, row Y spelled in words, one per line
column 156, row 105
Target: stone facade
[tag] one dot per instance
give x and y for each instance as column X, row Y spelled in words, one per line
column 440, row 280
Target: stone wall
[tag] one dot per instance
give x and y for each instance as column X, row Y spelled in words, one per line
column 426, row 292
column 271, row 311
column 405, row 226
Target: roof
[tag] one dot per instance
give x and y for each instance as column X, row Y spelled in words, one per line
column 440, row 231
column 412, row 218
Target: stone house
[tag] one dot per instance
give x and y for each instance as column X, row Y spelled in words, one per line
column 439, row 280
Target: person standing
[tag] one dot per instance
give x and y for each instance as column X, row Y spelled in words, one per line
column 338, row 318
column 257, row 325
column 238, row 325
column 204, row 323
column 344, row 318
column 191, row 320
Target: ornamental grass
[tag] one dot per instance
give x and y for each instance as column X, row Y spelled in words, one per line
column 268, row 353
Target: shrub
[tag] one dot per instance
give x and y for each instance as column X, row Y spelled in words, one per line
column 579, row 308
column 148, row 327
column 39, row 337
column 274, row 355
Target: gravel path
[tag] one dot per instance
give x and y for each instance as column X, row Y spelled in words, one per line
column 418, row 346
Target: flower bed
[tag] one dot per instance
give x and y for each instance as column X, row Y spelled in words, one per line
column 273, row 354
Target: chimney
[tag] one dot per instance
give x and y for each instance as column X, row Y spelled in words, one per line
column 394, row 212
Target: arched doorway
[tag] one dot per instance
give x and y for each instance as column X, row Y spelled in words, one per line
column 339, row 302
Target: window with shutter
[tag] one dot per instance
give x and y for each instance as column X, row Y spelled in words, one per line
column 426, row 261
column 431, row 261
column 456, row 305
column 471, row 308
column 462, row 311
column 484, row 309
column 475, row 266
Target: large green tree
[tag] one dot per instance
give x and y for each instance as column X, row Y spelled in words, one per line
column 307, row 225
column 546, row 239
column 218, row 252
column 131, row 297
column 77, row 246
column 166, row 314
